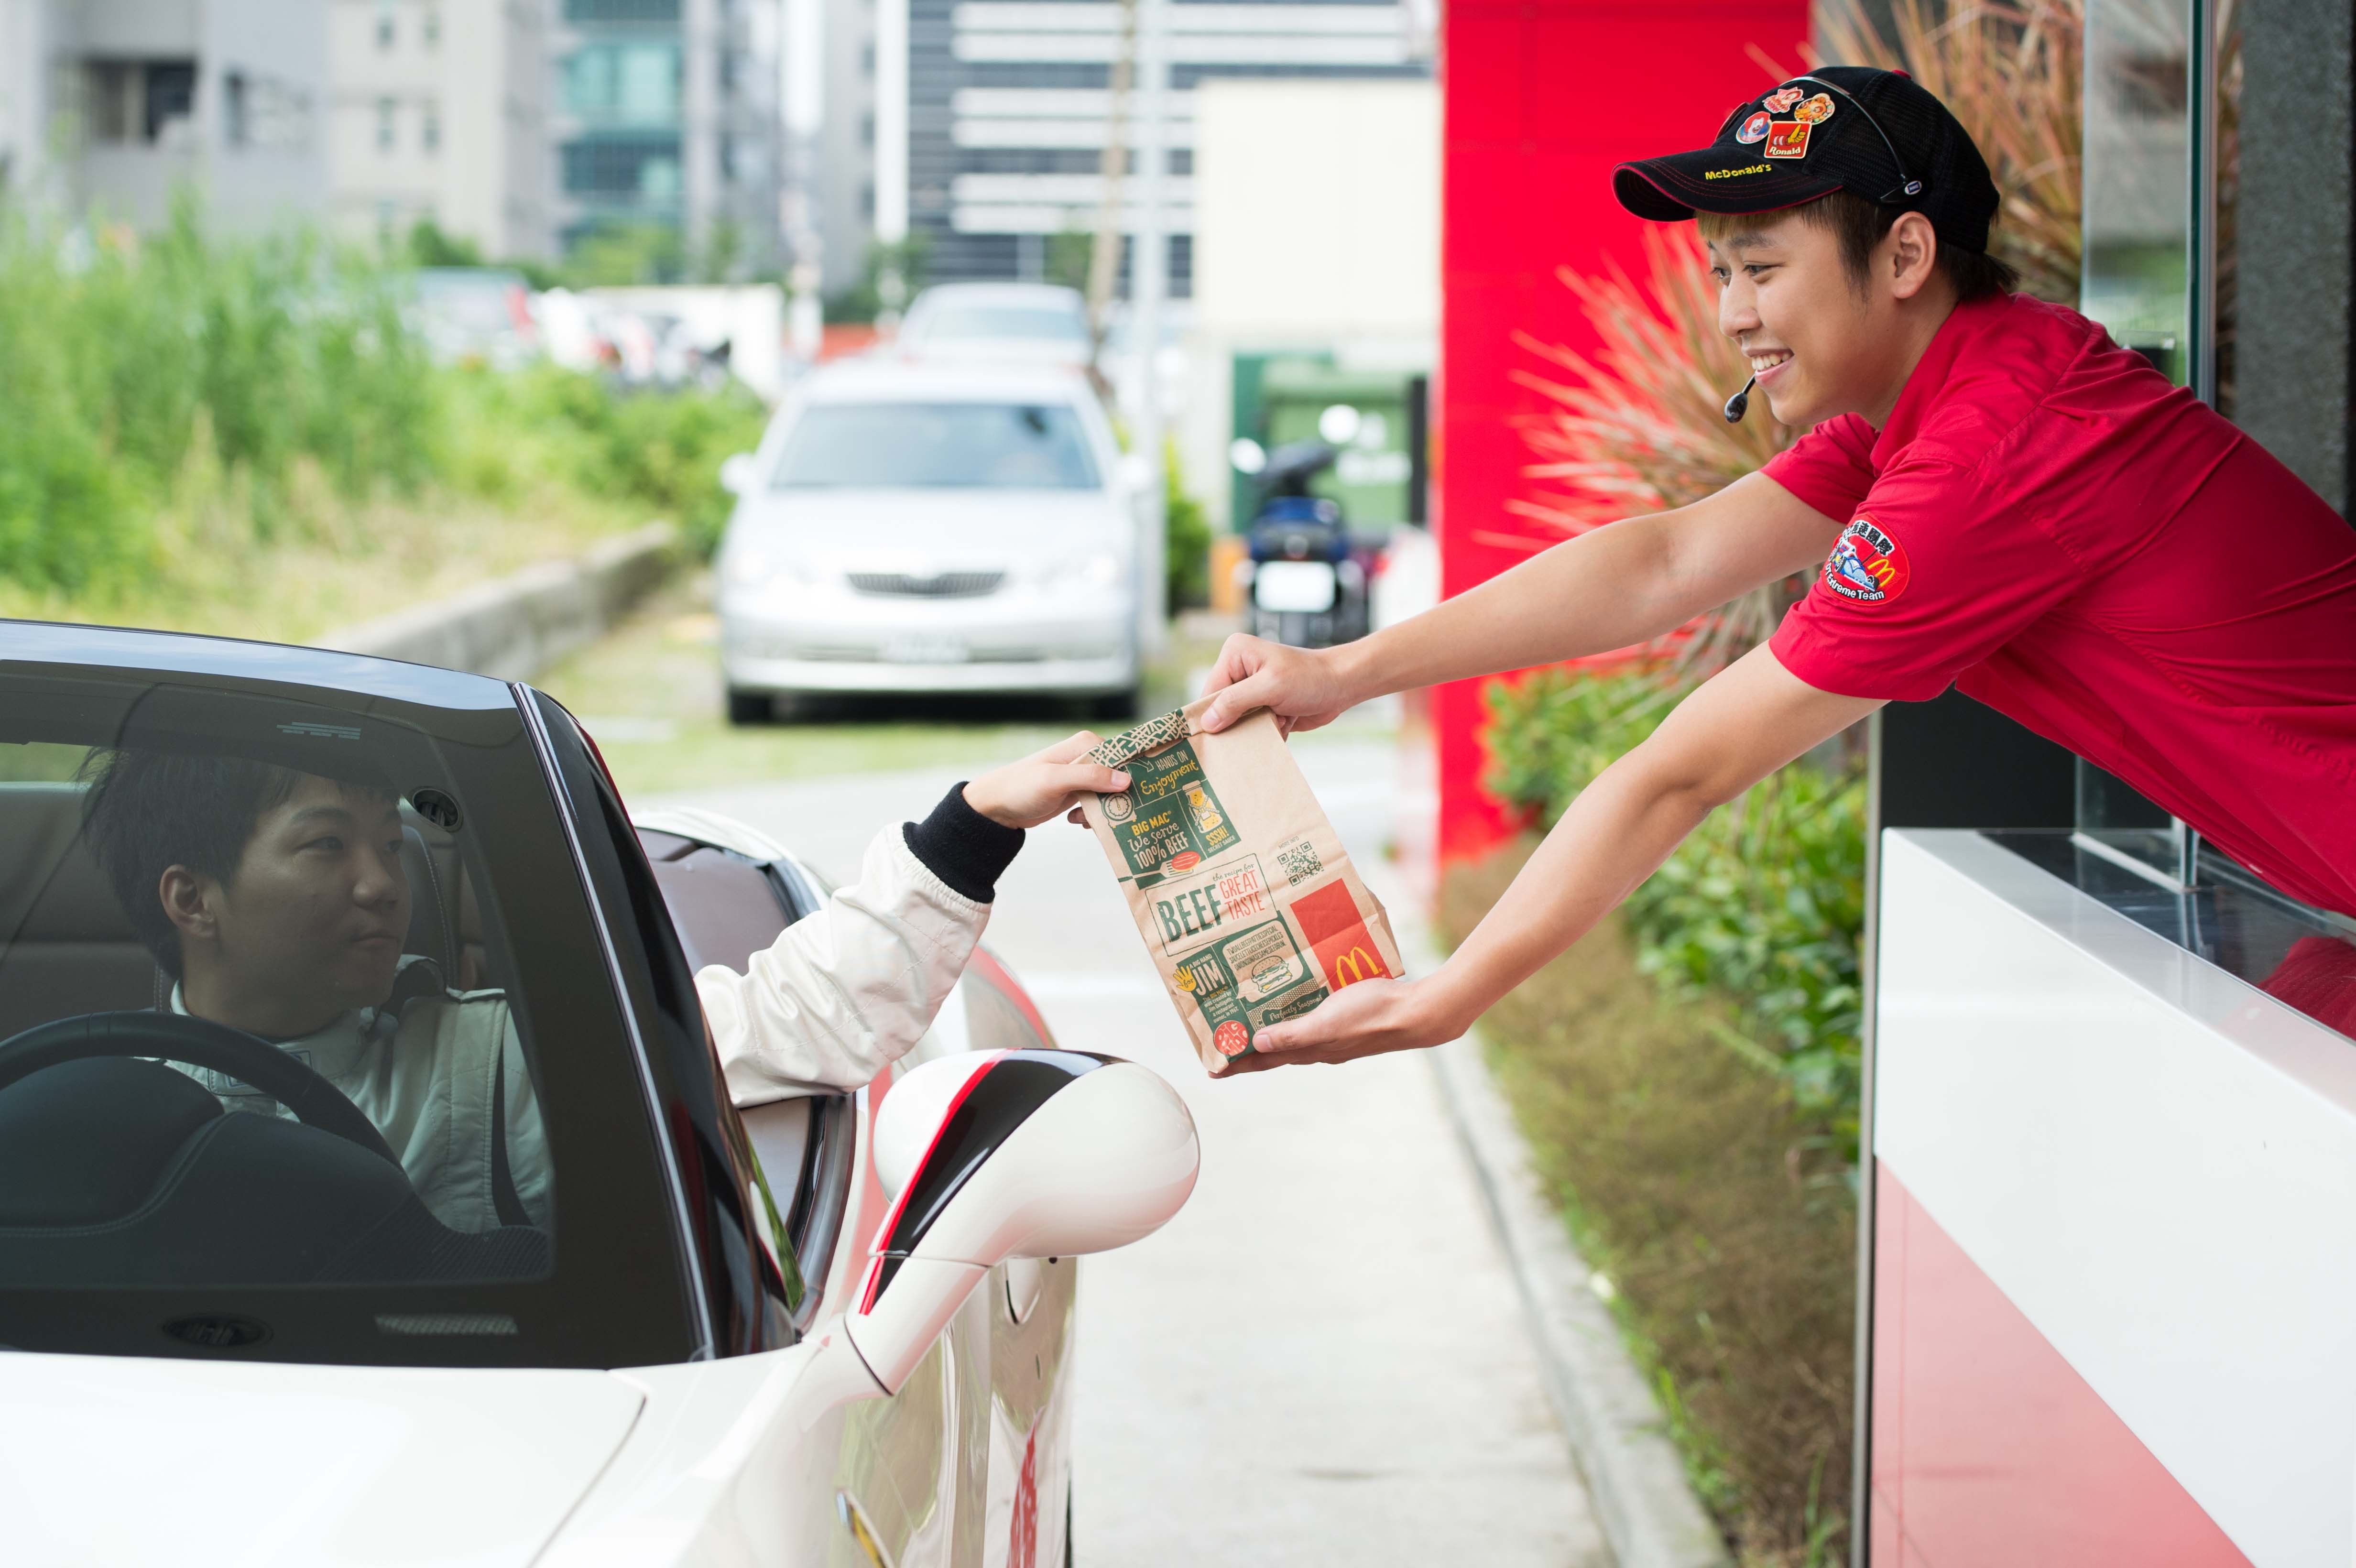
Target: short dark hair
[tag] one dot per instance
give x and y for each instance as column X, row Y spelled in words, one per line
column 1859, row 225
column 148, row 811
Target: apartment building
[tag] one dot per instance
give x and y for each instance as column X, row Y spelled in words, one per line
column 439, row 115
column 115, row 106
column 666, row 113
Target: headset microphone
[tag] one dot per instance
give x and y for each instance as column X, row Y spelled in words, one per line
column 1740, row 404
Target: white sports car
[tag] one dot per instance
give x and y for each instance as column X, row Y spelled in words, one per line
column 590, row 1312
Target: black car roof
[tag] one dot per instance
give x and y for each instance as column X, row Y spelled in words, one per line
column 181, row 652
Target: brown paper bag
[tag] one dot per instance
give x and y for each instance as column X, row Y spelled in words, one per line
column 1249, row 906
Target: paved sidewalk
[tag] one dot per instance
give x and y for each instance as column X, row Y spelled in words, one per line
column 1323, row 1360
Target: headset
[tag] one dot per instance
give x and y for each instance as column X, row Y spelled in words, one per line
column 1907, row 187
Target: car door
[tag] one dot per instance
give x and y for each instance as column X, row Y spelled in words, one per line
column 1030, row 1309
column 912, row 1475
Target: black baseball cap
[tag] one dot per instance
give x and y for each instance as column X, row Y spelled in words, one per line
column 1877, row 134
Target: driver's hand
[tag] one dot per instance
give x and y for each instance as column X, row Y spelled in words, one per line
column 1044, row 784
column 1297, row 685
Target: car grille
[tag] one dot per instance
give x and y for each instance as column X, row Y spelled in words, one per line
column 942, row 585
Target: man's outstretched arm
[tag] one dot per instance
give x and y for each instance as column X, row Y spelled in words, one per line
column 1611, row 588
column 1738, row 728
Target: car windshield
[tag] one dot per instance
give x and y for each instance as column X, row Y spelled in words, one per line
column 994, row 321
column 964, row 445
column 282, row 978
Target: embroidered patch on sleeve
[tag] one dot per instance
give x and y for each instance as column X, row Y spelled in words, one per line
column 1867, row 565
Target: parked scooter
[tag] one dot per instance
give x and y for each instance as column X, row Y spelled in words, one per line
column 1308, row 584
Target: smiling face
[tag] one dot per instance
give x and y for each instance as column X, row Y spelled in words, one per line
column 309, row 926
column 1821, row 341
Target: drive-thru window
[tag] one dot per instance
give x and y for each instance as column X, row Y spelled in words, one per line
column 2111, row 1097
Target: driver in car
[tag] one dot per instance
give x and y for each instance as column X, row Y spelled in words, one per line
column 277, row 903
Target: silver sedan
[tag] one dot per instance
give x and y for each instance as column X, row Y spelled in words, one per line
column 919, row 528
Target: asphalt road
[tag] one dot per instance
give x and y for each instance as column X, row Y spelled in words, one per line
column 1321, row 1360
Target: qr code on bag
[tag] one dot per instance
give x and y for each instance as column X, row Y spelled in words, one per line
column 1299, row 858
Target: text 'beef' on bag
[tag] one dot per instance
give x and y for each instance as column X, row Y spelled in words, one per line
column 1248, row 905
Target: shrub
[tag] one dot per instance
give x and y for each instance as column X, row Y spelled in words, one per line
column 1185, row 539
column 1764, row 903
column 123, row 358
column 660, row 451
column 141, row 372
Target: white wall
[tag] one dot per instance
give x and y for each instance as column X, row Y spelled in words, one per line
column 1317, row 210
column 1316, row 227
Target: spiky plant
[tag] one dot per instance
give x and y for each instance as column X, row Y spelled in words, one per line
column 2012, row 71
column 1640, row 427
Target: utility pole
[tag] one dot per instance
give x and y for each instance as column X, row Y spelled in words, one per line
column 1149, row 286
column 1104, row 256
column 803, row 73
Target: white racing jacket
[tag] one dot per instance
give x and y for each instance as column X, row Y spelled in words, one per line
column 853, row 988
column 833, row 1002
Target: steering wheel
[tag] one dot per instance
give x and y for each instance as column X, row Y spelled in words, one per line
column 201, row 1043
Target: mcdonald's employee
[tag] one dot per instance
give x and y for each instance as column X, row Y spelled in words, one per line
column 1991, row 494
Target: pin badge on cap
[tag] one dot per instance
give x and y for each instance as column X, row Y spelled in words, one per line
column 1780, row 101
column 1816, row 110
column 1788, row 139
column 1754, row 129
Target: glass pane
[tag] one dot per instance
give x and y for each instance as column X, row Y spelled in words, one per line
column 280, row 907
column 2303, row 957
column 2138, row 178
column 983, row 446
column 2225, row 208
column 2112, row 815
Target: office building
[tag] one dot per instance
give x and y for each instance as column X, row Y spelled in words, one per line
column 666, row 114
column 990, row 142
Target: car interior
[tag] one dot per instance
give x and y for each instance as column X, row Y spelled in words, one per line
column 66, row 947
column 726, row 908
column 118, row 1170
column 92, row 1143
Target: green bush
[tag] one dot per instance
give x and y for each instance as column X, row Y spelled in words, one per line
column 128, row 362
column 1764, row 903
column 660, row 451
column 123, row 356
column 1185, row 539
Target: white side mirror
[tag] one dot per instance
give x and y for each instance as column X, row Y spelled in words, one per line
column 736, row 473
column 1019, row 1154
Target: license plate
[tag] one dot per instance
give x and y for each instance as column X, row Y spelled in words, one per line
column 925, row 650
column 1293, row 585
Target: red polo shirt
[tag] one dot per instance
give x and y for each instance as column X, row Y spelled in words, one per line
column 2051, row 526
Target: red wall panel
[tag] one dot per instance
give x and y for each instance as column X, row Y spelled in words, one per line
column 1543, row 99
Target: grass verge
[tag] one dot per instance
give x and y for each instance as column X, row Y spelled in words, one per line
column 1721, row 1225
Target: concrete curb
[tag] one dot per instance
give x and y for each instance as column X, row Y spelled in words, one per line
column 1617, row 1433
column 516, row 626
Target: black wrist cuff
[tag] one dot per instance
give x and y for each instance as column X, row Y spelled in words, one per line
column 962, row 846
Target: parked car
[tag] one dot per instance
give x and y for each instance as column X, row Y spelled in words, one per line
column 476, row 315
column 907, row 529
column 1036, row 323
column 831, row 1328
